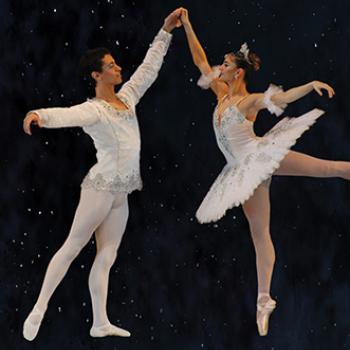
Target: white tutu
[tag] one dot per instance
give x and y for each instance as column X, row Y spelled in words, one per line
column 251, row 159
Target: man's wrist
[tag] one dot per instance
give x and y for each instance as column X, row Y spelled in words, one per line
column 167, row 28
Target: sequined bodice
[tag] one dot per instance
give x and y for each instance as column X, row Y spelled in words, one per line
column 234, row 133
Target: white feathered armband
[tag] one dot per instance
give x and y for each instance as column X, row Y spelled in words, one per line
column 272, row 107
column 205, row 80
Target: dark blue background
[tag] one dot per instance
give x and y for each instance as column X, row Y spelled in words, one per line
column 176, row 284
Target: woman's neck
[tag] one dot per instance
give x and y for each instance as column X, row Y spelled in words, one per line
column 237, row 88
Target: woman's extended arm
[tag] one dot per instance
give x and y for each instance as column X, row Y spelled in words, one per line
column 275, row 97
column 298, row 92
column 199, row 56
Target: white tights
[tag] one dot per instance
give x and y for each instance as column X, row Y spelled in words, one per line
column 257, row 208
column 106, row 214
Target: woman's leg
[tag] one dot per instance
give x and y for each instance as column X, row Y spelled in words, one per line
column 257, row 211
column 108, row 238
column 299, row 164
column 92, row 209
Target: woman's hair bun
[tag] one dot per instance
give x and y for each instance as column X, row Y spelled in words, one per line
column 255, row 61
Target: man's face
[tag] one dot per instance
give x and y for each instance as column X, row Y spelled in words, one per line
column 111, row 72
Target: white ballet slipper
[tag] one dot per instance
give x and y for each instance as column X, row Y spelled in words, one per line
column 264, row 310
column 108, row 330
column 32, row 324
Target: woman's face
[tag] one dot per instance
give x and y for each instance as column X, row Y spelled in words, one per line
column 228, row 69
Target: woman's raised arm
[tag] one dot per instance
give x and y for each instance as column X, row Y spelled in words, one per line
column 200, row 58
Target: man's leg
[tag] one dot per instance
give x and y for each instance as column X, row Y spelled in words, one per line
column 108, row 237
column 92, row 209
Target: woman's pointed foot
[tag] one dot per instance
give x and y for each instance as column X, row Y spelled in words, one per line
column 265, row 307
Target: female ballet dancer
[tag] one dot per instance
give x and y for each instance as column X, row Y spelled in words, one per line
column 110, row 119
column 252, row 160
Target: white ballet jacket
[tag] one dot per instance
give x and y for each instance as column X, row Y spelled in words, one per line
column 250, row 159
column 115, row 133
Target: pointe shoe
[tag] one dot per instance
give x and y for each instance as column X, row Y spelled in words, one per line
column 108, row 330
column 32, row 324
column 264, row 310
